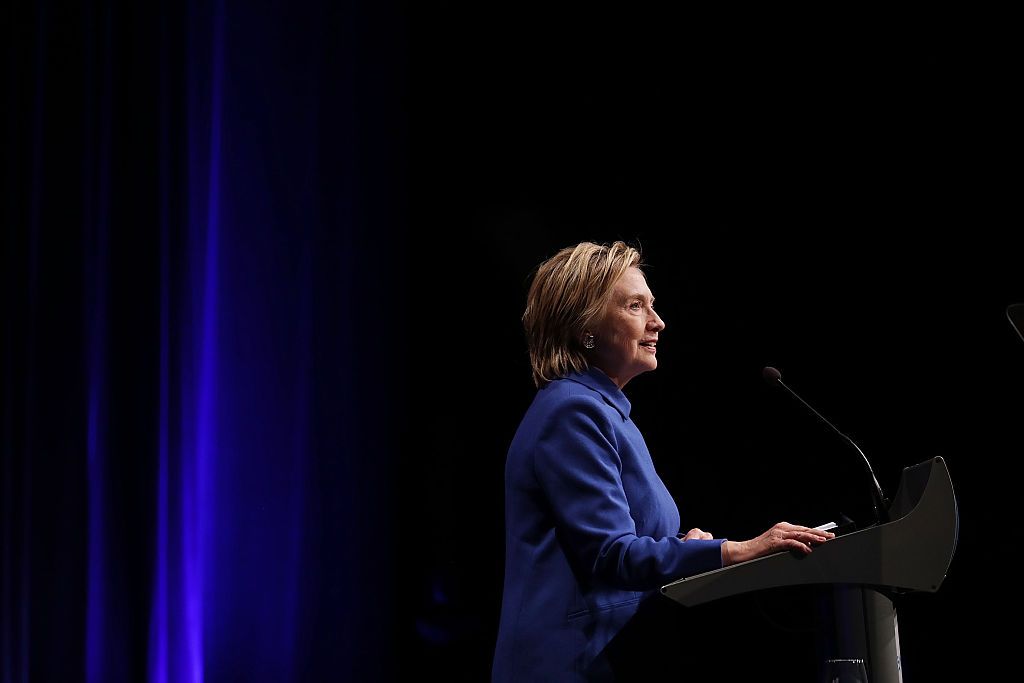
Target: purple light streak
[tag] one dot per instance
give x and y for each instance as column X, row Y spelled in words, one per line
column 184, row 502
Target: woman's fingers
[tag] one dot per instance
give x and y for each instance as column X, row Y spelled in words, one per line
column 794, row 537
column 698, row 534
column 781, row 537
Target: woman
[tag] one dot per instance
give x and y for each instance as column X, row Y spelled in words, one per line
column 590, row 527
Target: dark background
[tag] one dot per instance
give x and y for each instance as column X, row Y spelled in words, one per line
column 836, row 207
column 838, row 203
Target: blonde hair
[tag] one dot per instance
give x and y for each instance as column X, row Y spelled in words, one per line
column 568, row 293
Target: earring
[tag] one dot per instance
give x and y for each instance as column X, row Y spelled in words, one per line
column 588, row 341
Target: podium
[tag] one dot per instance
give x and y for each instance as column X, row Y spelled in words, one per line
column 860, row 572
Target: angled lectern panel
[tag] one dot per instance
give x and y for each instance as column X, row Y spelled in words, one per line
column 910, row 553
column 858, row 573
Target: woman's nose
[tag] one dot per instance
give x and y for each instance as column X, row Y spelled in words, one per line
column 658, row 323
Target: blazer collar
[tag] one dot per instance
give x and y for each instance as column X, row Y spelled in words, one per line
column 595, row 379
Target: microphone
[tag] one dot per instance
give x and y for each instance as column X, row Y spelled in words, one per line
column 881, row 504
column 1015, row 312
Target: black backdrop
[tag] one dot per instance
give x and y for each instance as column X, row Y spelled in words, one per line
column 838, row 204
column 836, row 207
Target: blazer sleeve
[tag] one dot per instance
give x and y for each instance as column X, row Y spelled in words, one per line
column 579, row 469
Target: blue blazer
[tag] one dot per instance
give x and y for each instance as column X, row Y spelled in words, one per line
column 590, row 530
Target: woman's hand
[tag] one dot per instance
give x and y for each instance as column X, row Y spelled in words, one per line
column 782, row 536
column 698, row 535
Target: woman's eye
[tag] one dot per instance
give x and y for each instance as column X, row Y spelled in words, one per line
column 635, row 305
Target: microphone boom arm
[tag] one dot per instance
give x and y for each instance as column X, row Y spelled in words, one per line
column 880, row 502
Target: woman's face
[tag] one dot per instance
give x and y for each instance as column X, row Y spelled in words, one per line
column 626, row 338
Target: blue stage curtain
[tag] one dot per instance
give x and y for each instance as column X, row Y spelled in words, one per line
column 198, row 340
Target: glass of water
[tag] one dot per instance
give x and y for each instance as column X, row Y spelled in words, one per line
column 845, row 671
